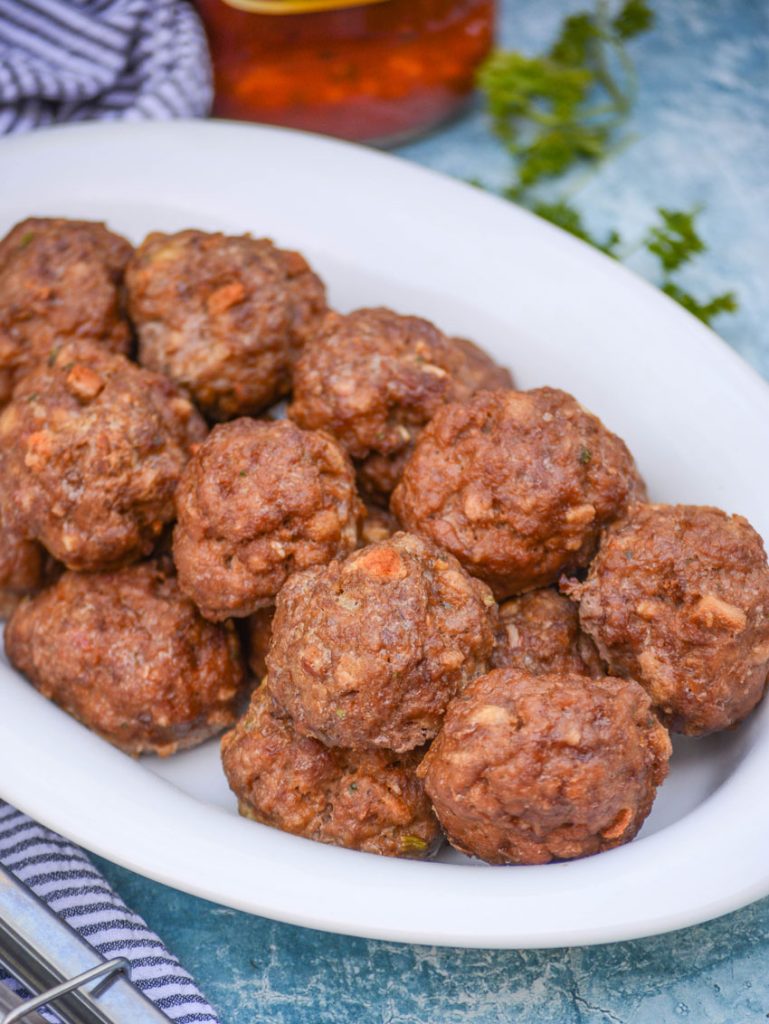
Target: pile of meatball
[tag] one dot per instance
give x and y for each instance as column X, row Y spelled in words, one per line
column 424, row 604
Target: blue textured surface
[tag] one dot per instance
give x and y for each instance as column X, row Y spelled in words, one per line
column 702, row 137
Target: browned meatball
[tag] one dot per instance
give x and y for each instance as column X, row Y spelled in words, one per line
column 91, row 450
column 516, row 485
column 678, row 598
column 259, row 501
column 475, row 370
column 130, row 657
column 368, row 652
column 530, row 768
column 378, row 524
column 539, row 634
column 224, row 316
column 258, row 633
column 374, row 378
column 22, row 568
column 60, row 280
column 366, row 800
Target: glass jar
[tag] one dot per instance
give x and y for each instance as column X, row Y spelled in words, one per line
column 369, row 70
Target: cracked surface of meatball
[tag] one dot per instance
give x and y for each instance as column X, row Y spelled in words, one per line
column 373, row 379
column 527, row 769
column 24, row 567
column 539, row 633
column 259, row 501
column 91, row 450
column 517, row 485
column 378, row 524
column 258, row 633
column 130, row 657
column 60, row 280
column 365, row 800
column 224, row 316
column 369, row 651
column 678, row 598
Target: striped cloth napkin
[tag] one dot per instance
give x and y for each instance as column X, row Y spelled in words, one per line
column 63, row 876
column 81, row 60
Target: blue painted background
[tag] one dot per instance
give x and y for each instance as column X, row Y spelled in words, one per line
column 701, row 130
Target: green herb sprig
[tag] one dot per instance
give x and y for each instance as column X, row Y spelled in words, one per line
column 566, row 108
column 569, row 218
column 726, row 302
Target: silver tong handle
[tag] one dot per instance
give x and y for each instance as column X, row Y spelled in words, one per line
column 48, row 957
column 106, row 971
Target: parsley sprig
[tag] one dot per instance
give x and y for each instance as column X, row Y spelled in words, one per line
column 707, row 310
column 567, row 217
column 566, row 108
column 675, row 240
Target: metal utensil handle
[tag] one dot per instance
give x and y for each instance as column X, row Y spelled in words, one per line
column 9, row 1001
column 43, row 952
column 106, row 971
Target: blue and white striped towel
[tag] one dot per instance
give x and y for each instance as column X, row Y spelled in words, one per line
column 82, row 60
column 63, row 876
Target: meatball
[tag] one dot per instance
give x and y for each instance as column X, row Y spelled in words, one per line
column 260, row 500
column 224, row 316
column 368, row 652
column 517, row 485
column 24, row 566
column 258, row 633
column 539, row 634
column 130, row 657
column 530, row 768
column 91, row 450
column 475, row 370
column 374, row 378
column 678, row 598
column 366, row 800
column 378, row 524
column 60, row 280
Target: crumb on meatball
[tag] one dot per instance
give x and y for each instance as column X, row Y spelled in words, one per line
column 259, row 501
column 373, row 379
column 130, row 657
column 60, row 280
column 517, row 485
column 224, row 316
column 367, row 800
column 368, row 652
column 678, row 598
column 91, row 450
column 539, row 633
column 529, row 768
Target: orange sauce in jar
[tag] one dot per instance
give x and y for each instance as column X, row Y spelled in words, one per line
column 368, row 70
